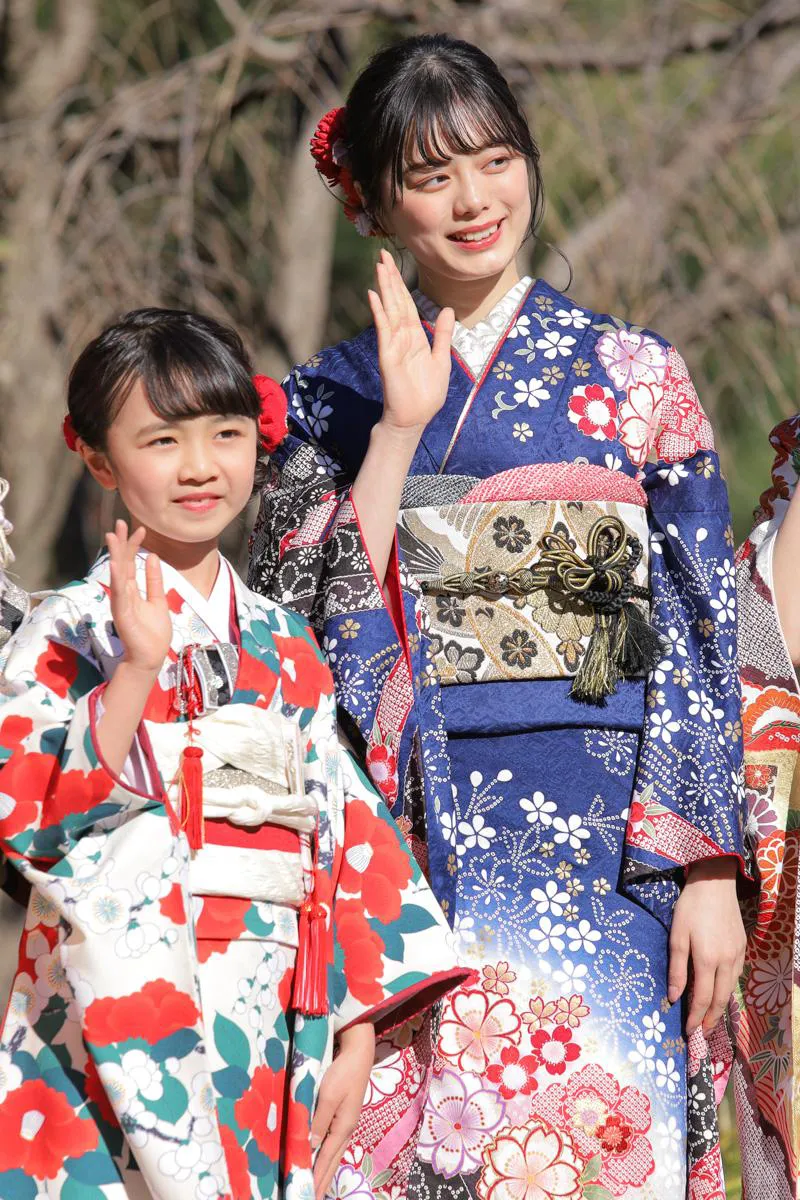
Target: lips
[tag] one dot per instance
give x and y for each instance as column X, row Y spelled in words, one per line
column 199, row 501
column 477, row 237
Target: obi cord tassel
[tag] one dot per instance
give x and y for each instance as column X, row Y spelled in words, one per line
column 310, row 993
column 623, row 642
column 191, row 793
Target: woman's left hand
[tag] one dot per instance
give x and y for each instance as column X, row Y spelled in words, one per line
column 341, row 1097
column 707, row 929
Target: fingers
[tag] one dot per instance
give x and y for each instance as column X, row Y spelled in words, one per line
column 678, row 960
column 443, row 335
column 723, row 987
column 380, row 319
column 702, row 994
column 331, row 1152
column 154, row 580
column 323, row 1115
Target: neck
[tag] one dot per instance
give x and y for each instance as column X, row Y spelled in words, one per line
column 198, row 562
column 470, row 299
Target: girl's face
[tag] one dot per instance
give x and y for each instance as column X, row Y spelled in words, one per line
column 464, row 218
column 184, row 480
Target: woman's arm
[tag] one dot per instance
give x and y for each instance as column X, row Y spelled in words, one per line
column 786, row 576
column 415, row 378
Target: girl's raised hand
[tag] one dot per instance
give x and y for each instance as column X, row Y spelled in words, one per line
column 415, row 374
column 143, row 623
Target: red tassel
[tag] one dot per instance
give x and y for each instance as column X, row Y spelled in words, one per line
column 310, row 993
column 192, row 796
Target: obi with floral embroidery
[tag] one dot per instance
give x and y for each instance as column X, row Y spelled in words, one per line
column 153, row 1043
column 556, row 825
column 765, row 1075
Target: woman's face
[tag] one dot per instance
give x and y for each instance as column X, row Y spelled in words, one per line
column 463, row 218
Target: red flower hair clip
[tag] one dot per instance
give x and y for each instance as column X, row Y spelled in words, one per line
column 329, row 151
column 68, row 430
column 272, row 423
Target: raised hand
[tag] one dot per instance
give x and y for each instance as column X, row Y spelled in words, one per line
column 415, row 374
column 143, row 623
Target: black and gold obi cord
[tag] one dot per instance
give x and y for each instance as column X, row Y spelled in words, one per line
column 623, row 642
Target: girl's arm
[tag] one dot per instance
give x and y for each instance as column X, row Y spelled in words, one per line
column 144, row 627
column 786, row 576
column 341, row 1097
column 415, row 378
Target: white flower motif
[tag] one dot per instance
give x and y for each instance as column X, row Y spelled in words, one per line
column 613, row 462
column 727, row 573
column 10, row 1075
column 548, row 936
column 725, row 606
column 550, row 899
column 667, row 1075
column 654, row 1027
column 554, row 343
column 572, row 831
column 570, row 977
column 575, row 318
column 464, row 929
column 180, row 1164
column 662, row 725
column 522, row 431
column 583, row 937
column 702, row 705
column 522, row 327
column 144, row 1072
column 643, row 1057
column 476, row 833
column 25, row 1003
column 538, row 809
column 120, row 1088
column 673, row 474
column 670, row 1133
column 530, row 392
column 137, row 940
column 103, row 907
column 210, row 1187
column 51, row 978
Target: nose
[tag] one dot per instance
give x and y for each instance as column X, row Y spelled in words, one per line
column 470, row 194
column 197, row 460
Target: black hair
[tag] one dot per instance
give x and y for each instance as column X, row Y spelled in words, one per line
column 190, row 366
column 436, row 96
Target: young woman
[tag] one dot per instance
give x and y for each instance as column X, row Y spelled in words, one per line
column 518, row 553
column 217, row 893
column 767, row 1103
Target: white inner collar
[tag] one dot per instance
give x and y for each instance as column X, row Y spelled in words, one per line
column 215, row 611
column 475, row 345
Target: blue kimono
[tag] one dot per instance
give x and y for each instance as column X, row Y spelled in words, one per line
column 555, row 820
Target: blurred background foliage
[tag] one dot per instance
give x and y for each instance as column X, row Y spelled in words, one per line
column 154, row 151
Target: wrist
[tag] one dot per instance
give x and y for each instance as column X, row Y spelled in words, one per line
column 358, row 1037
column 401, row 438
column 138, row 674
column 723, row 867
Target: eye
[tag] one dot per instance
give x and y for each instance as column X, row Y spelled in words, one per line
column 499, row 161
column 228, row 434
column 164, row 440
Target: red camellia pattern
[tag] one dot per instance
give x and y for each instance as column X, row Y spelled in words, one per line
column 155, row 1012
column 260, row 1109
column 38, row 1130
column 305, row 676
column 236, row 1161
column 362, row 948
column 57, row 668
column 375, row 863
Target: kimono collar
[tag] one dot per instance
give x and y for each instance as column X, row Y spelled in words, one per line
column 214, row 610
column 475, row 344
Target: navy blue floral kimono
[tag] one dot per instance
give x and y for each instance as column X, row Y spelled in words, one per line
column 555, row 831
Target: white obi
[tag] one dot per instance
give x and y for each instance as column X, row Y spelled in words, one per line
column 252, row 776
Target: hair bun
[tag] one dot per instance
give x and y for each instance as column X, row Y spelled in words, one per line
column 272, row 421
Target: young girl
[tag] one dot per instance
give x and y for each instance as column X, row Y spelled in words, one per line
column 217, row 893
column 765, row 1084
column 518, row 553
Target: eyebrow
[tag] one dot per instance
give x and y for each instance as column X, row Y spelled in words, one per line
column 429, row 164
column 161, row 426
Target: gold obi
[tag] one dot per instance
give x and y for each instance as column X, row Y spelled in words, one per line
column 486, row 567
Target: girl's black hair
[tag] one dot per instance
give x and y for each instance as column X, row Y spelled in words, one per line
column 432, row 96
column 190, row 366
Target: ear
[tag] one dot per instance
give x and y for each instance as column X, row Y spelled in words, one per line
column 378, row 219
column 98, row 465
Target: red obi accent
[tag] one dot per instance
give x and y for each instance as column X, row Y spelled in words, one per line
column 559, row 481
column 220, row 832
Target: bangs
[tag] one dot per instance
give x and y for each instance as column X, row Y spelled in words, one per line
column 182, row 380
column 449, row 117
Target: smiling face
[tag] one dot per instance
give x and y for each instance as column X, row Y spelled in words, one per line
column 185, row 480
column 463, row 217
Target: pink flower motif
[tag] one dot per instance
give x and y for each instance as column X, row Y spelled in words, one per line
column 639, row 416
column 531, row 1162
column 459, row 1120
column 603, row 1119
column 475, row 1029
column 594, row 410
column 630, row 358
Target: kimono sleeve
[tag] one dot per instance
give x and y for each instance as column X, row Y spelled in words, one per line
column 688, row 802
column 393, row 947
column 55, row 787
column 308, row 552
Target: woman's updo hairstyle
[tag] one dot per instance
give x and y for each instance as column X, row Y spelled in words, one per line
column 430, row 97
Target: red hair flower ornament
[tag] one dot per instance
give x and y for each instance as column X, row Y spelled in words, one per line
column 331, row 158
column 272, row 423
